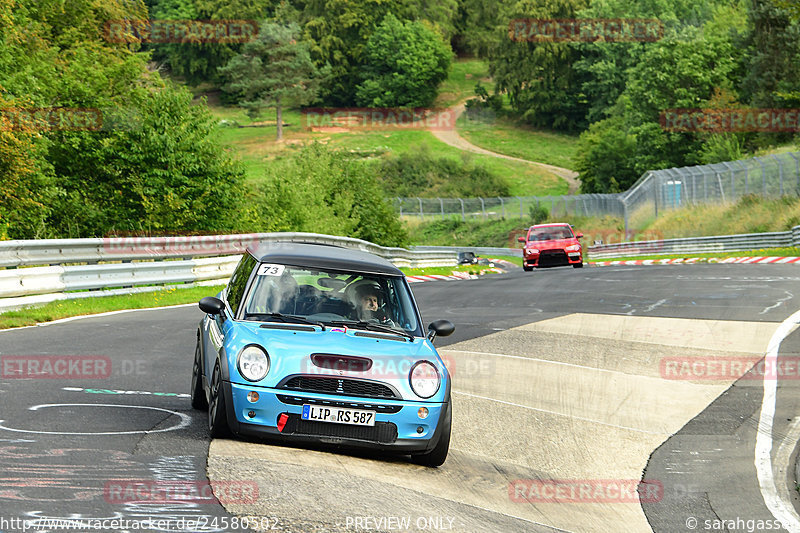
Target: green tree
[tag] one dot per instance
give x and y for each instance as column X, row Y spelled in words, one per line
column 274, row 69
column 543, row 86
column 604, row 158
column 339, row 31
column 404, row 63
column 198, row 62
column 773, row 76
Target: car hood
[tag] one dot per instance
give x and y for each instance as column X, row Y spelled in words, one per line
column 290, row 354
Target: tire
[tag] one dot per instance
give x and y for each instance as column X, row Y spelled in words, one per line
column 526, row 269
column 217, row 418
column 199, row 400
column 577, row 265
column 438, row 454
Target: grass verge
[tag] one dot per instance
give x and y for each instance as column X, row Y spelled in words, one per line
column 103, row 304
column 444, row 271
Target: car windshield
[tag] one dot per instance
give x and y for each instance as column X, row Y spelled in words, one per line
column 330, row 297
column 550, row 234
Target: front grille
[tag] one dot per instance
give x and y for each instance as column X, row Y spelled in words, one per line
column 553, row 258
column 378, row 408
column 341, row 386
column 381, row 432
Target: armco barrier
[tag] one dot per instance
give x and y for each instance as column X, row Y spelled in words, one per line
column 697, row 245
column 66, row 251
column 152, row 261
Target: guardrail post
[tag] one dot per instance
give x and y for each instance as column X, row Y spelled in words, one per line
column 463, row 218
column 733, row 184
column 746, row 177
column 655, row 197
column 625, row 216
column 421, row 214
column 502, row 205
column 763, row 177
column 797, row 172
column 441, row 205
column 780, row 173
column 400, row 201
column 483, row 207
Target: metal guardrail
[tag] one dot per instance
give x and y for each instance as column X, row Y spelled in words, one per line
column 696, row 245
column 156, row 260
column 66, row 251
column 687, row 245
column 485, row 251
column 137, row 262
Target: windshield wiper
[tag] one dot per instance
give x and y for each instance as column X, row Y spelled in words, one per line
column 371, row 327
column 289, row 318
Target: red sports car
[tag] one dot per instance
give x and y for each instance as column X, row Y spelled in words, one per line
column 551, row 245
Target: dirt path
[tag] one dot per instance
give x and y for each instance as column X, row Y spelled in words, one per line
column 452, row 138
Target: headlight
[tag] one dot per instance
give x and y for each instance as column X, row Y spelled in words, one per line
column 573, row 248
column 424, row 379
column 253, row 363
column 533, row 250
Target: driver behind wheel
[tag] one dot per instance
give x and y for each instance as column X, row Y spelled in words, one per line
column 371, row 305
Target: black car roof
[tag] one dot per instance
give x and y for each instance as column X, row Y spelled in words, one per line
column 322, row 256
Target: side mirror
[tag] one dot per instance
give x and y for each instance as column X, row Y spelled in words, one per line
column 578, row 235
column 522, row 239
column 440, row 327
column 211, row 305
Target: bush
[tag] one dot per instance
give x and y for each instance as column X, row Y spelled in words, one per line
column 538, row 214
column 422, row 174
column 162, row 170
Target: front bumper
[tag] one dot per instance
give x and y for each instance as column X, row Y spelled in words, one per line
column 547, row 258
column 395, row 430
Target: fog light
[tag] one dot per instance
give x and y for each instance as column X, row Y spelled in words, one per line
column 252, row 396
column 251, row 414
column 420, row 429
column 422, row 412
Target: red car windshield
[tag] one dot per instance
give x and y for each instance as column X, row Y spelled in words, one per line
column 553, row 233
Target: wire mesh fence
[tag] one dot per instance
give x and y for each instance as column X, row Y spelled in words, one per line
column 766, row 176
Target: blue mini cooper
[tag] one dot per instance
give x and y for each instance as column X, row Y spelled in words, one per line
column 315, row 343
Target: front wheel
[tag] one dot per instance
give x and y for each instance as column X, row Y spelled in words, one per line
column 199, row 400
column 217, row 419
column 526, row 268
column 577, row 265
column 438, row 454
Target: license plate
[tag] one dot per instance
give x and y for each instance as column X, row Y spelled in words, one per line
column 338, row 415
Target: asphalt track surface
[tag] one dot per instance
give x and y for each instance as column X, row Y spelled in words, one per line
column 564, row 400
